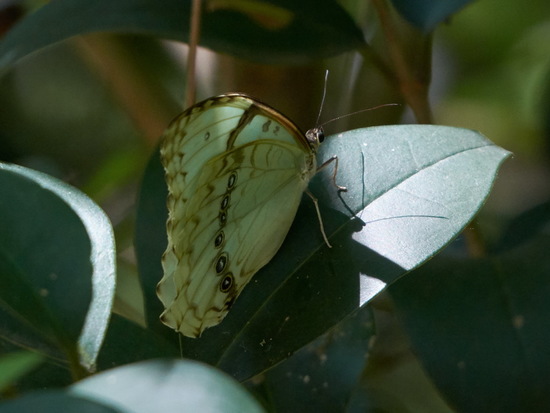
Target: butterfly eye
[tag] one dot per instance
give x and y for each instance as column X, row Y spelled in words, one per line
column 315, row 136
column 227, row 283
column 320, row 135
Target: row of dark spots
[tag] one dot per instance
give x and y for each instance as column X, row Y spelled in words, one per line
column 222, row 263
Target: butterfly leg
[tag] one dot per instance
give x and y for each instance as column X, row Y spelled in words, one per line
column 328, row 162
column 316, row 203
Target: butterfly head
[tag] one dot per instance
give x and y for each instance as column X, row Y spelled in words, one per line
column 315, row 137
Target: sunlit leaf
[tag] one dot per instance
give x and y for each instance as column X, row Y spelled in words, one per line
column 167, row 386
column 411, row 189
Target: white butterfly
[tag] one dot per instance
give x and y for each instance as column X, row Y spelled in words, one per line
column 236, row 170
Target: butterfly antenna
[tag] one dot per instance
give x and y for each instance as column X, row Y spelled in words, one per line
column 323, row 99
column 359, row 111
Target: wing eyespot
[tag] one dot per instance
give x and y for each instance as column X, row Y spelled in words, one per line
column 232, row 180
column 221, row 263
column 220, row 238
column 226, row 283
column 225, row 202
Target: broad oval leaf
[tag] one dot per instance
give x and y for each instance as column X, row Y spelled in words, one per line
column 411, row 189
column 322, row 376
column 167, row 386
column 419, row 185
column 57, row 256
column 479, row 327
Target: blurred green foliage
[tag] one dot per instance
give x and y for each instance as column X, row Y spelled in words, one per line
column 90, row 109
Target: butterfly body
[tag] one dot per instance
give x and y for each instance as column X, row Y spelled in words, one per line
column 236, row 170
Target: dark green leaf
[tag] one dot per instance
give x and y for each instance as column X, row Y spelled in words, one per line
column 53, row 402
column 322, row 375
column 144, row 344
column 57, row 258
column 151, row 240
column 480, row 327
column 525, row 226
column 167, row 386
column 272, row 31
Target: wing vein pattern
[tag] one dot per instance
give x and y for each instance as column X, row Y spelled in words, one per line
column 236, row 170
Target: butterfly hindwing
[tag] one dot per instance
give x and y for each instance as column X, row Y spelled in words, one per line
column 239, row 171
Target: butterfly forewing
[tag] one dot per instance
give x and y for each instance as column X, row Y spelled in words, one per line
column 236, row 170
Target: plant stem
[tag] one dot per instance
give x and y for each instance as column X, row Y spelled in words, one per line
column 149, row 110
column 412, row 75
column 194, row 36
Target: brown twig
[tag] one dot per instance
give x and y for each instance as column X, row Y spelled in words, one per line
column 413, row 78
column 149, row 110
column 194, row 37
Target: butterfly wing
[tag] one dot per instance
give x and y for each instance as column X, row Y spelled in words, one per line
column 235, row 183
